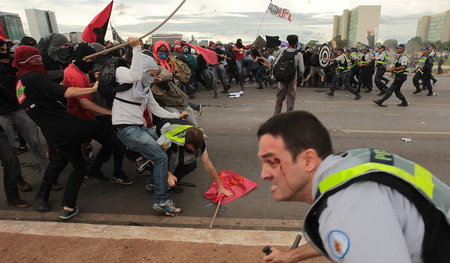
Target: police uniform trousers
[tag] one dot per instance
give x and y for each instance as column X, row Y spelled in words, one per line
column 395, row 88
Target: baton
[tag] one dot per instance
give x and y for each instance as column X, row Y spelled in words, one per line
column 267, row 250
column 186, row 184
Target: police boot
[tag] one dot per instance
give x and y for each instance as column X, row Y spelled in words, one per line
column 403, row 104
column 331, row 93
column 379, row 103
column 357, row 96
column 417, row 91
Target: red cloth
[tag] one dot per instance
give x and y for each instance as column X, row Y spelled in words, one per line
column 232, row 181
column 148, row 119
column 161, row 62
column 2, row 35
column 74, row 77
column 239, row 55
column 209, row 55
column 96, row 30
column 22, row 57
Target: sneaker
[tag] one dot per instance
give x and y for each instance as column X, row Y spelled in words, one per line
column 168, row 208
column 66, row 214
column 41, row 204
column 23, row 185
column 143, row 173
column 125, row 180
column 143, row 164
column 18, row 203
column 21, row 149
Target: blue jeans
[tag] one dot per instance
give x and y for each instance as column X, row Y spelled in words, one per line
column 143, row 140
column 240, row 72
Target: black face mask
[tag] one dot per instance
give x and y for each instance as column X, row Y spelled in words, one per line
column 4, row 55
column 85, row 67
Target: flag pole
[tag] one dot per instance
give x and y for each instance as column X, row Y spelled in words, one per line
column 259, row 28
column 215, row 214
column 106, row 51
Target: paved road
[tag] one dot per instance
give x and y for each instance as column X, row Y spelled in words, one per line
column 231, row 125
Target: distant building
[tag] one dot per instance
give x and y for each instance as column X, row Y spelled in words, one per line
column 11, row 25
column 354, row 24
column 434, row 28
column 169, row 38
column 41, row 23
column 74, row 37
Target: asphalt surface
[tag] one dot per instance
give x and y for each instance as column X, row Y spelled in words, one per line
column 231, row 125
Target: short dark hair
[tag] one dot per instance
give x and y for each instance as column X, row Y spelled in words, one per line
column 292, row 40
column 300, row 131
column 340, row 49
column 194, row 136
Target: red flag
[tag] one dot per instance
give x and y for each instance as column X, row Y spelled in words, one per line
column 209, row 55
column 2, row 35
column 96, row 30
column 232, row 181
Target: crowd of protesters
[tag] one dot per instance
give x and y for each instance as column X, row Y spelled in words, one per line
column 118, row 100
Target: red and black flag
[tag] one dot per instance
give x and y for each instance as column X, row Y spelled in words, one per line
column 96, row 30
column 2, row 35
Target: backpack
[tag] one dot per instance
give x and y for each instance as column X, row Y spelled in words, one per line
column 167, row 93
column 107, row 84
column 183, row 70
column 284, row 70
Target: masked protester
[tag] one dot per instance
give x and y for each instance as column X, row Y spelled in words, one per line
column 127, row 118
column 56, row 54
column 44, row 102
column 12, row 116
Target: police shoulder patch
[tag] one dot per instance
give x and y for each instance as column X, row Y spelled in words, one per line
column 339, row 243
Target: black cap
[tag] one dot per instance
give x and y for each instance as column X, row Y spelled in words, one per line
column 401, row 46
column 382, row 46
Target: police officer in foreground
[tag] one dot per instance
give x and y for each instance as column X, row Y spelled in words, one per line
column 400, row 69
column 367, row 205
column 343, row 73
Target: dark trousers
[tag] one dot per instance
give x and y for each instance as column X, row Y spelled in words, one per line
column 11, row 168
column 183, row 170
column 365, row 79
column 71, row 152
column 379, row 76
column 395, row 88
column 344, row 77
column 117, row 152
column 426, row 77
column 260, row 75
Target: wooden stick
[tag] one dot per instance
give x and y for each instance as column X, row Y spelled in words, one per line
column 106, row 51
column 215, row 214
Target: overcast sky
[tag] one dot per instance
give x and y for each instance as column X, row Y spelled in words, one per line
column 227, row 20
